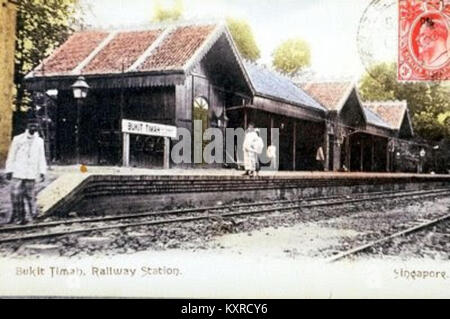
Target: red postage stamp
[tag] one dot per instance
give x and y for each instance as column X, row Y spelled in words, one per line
column 424, row 40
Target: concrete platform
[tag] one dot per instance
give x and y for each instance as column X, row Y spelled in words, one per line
column 116, row 170
column 112, row 190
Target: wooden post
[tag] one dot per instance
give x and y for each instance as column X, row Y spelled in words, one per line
column 388, row 157
column 372, row 164
column 126, row 150
column 294, row 144
column 362, row 156
column 326, row 149
column 166, row 153
column 245, row 118
column 271, row 129
column 347, row 152
column 77, row 131
column 337, row 154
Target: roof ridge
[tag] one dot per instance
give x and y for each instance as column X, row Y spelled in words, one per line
column 155, row 25
column 208, row 42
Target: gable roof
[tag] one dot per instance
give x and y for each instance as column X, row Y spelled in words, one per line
column 374, row 119
column 270, row 84
column 331, row 94
column 178, row 47
column 160, row 48
column 392, row 112
column 70, row 54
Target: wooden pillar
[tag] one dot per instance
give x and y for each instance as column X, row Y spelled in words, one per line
column 126, row 150
column 326, row 149
column 166, row 152
column 388, row 158
column 294, row 144
column 337, row 154
column 347, row 152
column 362, row 156
column 372, row 164
column 272, row 124
column 245, row 118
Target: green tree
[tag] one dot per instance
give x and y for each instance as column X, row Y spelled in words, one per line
column 42, row 25
column 243, row 37
column 292, row 56
column 426, row 101
column 167, row 14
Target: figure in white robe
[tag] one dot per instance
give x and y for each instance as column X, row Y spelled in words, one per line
column 253, row 145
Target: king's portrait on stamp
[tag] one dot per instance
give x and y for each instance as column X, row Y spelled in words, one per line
column 225, row 149
column 424, row 40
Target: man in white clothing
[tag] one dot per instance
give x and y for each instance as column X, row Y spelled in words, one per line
column 249, row 152
column 24, row 165
column 252, row 146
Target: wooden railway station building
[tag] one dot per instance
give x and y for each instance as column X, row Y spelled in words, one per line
column 176, row 74
column 361, row 136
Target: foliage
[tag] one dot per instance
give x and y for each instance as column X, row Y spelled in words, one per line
column 243, row 37
column 292, row 56
column 240, row 30
column 426, row 100
column 42, row 25
column 167, row 14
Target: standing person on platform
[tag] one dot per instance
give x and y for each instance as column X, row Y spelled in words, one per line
column 272, row 155
column 249, row 151
column 258, row 145
column 24, row 165
column 320, row 158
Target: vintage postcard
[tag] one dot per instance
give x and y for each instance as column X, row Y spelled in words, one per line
column 225, row 149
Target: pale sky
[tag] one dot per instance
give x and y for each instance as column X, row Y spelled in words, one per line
column 329, row 26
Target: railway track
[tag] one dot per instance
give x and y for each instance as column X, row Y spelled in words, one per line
column 73, row 226
column 410, row 228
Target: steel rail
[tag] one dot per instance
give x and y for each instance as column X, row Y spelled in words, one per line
column 204, row 217
column 193, row 210
column 407, row 231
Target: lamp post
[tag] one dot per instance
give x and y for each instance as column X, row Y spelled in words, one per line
column 80, row 90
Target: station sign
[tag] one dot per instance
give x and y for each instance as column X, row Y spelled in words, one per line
column 147, row 128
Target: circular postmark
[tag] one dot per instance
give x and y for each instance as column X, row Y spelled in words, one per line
column 377, row 34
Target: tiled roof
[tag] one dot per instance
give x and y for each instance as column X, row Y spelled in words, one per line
column 124, row 48
column 68, row 56
column 102, row 52
column 392, row 112
column 177, row 48
column 272, row 84
column 329, row 94
column 374, row 119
